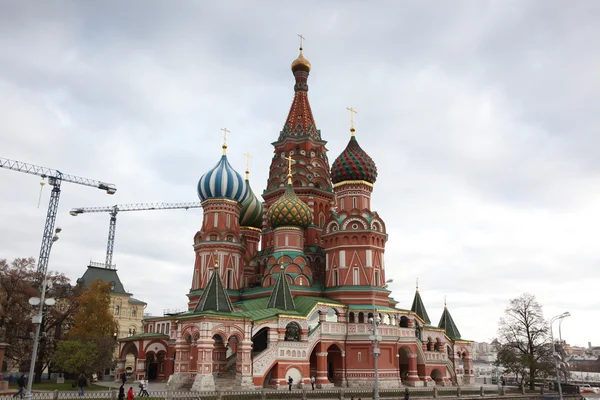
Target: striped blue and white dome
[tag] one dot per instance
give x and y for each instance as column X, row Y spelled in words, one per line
column 222, row 182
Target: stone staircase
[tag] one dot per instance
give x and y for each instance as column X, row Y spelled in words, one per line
column 226, row 381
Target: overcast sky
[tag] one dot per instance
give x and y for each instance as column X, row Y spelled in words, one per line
column 482, row 118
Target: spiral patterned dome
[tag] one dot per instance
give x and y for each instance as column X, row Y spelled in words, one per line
column 222, row 182
column 354, row 164
column 252, row 210
column 289, row 210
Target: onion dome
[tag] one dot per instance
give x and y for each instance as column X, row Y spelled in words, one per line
column 252, row 210
column 222, row 182
column 289, row 210
column 300, row 63
column 354, row 164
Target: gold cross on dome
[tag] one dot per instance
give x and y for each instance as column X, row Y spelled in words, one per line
column 225, row 132
column 216, row 257
column 301, row 39
column 248, row 157
column 290, row 160
column 352, row 112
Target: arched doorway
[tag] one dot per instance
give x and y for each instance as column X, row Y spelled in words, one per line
column 260, row 341
column 403, row 355
column 335, row 365
column 437, row 376
column 151, row 366
column 219, row 355
column 231, row 355
column 130, row 355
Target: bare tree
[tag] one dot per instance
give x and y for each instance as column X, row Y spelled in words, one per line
column 524, row 345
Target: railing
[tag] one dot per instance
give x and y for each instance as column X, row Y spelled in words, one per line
column 270, row 394
column 263, row 361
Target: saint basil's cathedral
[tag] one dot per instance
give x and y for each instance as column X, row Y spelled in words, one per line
column 289, row 287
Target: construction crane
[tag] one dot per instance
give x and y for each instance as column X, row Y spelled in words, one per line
column 55, row 179
column 114, row 210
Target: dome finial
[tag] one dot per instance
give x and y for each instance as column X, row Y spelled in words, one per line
column 216, row 257
column 302, row 38
column 417, row 284
column 289, row 175
column 248, row 157
column 301, row 63
column 225, row 132
column 352, row 112
column 445, row 304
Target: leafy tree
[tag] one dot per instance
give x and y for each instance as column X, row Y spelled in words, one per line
column 524, row 345
column 19, row 281
column 90, row 345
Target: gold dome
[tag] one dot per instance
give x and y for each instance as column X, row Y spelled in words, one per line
column 301, row 63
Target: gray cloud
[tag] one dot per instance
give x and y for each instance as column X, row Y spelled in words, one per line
column 481, row 117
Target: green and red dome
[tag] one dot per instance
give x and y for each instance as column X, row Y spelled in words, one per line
column 354, row 164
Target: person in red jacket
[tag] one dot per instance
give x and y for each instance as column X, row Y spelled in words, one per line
column 130, row 394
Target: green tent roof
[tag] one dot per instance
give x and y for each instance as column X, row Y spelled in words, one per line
column 281, row 297
column 447, row 323
column 419, row 308
column 214, row 297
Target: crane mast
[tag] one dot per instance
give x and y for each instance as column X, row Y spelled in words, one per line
column 114, row 210
column 55, row 179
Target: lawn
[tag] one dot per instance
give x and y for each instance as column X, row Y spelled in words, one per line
column 67, row 386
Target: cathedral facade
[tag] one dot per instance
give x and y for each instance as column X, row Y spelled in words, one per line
column 295, row 285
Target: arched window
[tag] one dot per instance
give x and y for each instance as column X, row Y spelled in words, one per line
column 292, row 332
column 117, row 310
column 429, row 344
column 313, row 320
column 361, row 318
column 331, row 316
column 351, row 318
column 403, row 322
column 354, row 202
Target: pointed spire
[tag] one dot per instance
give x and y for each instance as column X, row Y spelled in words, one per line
column 281, row 296
column 447, row 323
column 300, row 121
column 214, row 297
column 418, row 307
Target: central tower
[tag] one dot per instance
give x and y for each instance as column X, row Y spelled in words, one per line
column 301, row 140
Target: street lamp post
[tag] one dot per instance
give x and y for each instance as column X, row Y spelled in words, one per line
column 37, row 320
column 375, row 338
column 554, row 353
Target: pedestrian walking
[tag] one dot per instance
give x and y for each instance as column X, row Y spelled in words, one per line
column 141, row 386
column 130, row 394
column 123, row 378
column 82, row 382
column 290, row 382
column 145, row 388
column 406, row 394
column 312, row 382
column 122, row 392
column 21, row 383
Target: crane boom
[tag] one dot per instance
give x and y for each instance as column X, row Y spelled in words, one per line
column 55, row 174
column 114, row 210
column 55, row 178
column 136, row 207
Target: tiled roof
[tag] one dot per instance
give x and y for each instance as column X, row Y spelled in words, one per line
column 214, row 297
column 419, row 308
column 447, row 323
column 105, row 275
column 281, row 297
column 145, row 335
